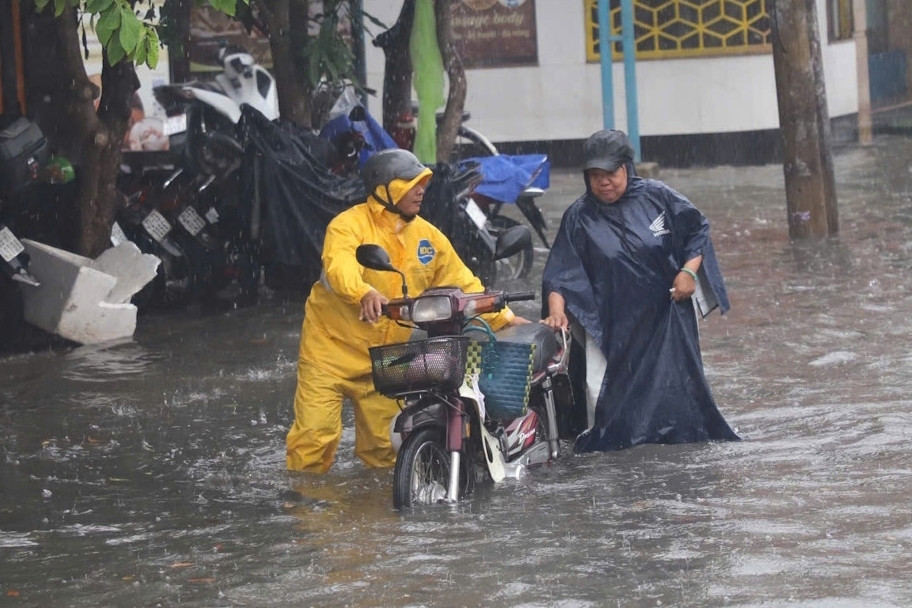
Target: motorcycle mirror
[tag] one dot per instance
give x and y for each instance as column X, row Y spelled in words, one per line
column 512, row 241
column 375, row 257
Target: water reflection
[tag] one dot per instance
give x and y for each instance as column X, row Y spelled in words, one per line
column 151, row 472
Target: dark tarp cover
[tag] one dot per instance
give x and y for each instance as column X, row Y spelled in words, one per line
column 614, row 265
column 300, row 193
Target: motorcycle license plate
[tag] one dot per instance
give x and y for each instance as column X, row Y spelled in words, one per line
column 175, row 124
column 478, row 216
column 156, row 225
column 191, row 220
column 10, row 246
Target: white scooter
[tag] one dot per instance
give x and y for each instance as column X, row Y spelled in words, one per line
column 243, row 81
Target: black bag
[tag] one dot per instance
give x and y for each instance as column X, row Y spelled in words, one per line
column 23, row 149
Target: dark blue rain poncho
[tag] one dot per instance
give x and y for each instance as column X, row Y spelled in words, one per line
column 614, row 265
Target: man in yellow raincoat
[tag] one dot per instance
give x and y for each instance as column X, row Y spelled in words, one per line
column 342, row 316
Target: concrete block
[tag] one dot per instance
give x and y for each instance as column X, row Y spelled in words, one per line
column 85, row 300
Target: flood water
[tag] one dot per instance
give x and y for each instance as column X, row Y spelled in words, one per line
column 151, row 472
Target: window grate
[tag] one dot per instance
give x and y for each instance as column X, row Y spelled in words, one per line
column 685, row 28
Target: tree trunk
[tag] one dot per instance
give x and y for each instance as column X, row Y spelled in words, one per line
column 397, row 77
column 290, row 87
column 803, row 118
column 452, row 115
column 99, row 133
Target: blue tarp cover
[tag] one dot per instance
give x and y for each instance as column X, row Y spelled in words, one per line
column 506, row 176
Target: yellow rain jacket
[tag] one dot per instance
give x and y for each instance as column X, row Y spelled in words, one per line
column 336, row 340
column 334, row 361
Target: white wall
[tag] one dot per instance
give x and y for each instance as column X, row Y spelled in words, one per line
column 561, row 98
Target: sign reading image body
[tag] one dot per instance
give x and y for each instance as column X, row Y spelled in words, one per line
column 495, row 33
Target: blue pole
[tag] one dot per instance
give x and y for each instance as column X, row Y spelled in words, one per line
column 604, row 28
column 630, row 80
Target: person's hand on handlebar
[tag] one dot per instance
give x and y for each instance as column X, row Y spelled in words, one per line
column 372, row 306
column 557, row 316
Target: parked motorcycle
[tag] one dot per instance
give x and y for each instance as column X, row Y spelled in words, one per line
column 140, row 220
column 217, row 235
column 499, row 187
column 450, row 205
column 450, row 420
column 14, row 260
column 23, row 151
column 242, row 81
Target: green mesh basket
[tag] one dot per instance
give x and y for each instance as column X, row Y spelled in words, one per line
column 504, row 374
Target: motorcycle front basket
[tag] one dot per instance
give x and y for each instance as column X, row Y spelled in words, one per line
column 435, row 363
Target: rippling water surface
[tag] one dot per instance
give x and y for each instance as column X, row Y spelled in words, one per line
column 151, row 472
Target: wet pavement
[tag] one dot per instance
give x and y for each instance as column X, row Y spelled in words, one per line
column 151, row 472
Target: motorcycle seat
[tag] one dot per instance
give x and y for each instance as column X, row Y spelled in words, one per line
column 544, row 338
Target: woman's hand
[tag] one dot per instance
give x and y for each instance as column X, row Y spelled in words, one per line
column 557, row 316
column 557, row 321
column 685, row 283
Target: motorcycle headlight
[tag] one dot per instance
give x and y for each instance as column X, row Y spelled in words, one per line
column 431, row 308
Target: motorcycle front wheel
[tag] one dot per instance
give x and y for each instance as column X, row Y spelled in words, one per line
column 422, row 471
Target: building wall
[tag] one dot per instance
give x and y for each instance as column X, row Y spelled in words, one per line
column 560, row 99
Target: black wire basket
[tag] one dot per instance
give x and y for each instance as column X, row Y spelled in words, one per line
column 435, row 363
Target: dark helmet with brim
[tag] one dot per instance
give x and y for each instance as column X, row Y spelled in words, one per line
column 387, row 165
column 607, row 149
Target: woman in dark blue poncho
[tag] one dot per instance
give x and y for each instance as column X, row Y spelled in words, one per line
column 629, row 255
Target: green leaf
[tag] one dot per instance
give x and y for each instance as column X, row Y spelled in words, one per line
column 59, row 7
column 98, row 6
column 152, row 48
column 140, row 52
column 41, row 4
column 115, row 51
column 107, row 24
column 229, row 7
column 130, row 29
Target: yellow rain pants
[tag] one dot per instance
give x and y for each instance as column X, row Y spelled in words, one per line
column 334, row 361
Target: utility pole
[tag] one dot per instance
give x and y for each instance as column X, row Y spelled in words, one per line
column 804, row 121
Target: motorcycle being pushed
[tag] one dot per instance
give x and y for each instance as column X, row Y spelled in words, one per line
column 450, row 430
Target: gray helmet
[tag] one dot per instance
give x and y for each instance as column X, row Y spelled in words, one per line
column 387, row 165
column 607, row 149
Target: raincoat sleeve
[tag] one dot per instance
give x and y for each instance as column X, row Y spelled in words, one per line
column 452, row 271
column 692, row 237
column 342, row 273
column 565, row 273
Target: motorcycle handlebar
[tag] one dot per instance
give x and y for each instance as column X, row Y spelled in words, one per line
column 519, row 296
